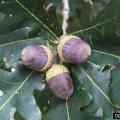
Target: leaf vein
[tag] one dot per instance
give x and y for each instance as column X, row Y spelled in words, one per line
column 94, row 26
column 13, row 94
column 109, row 54
column 37, row 19
column 16, row 42
column 107, row 98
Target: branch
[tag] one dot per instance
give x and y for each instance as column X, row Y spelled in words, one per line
column 65, row 13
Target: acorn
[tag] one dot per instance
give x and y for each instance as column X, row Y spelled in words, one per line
column 37, row 57
column 59, row 81
column 72, row 49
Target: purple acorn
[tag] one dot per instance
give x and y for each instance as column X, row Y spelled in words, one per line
column 37, row 57
column 59, row 81
column 72, row 49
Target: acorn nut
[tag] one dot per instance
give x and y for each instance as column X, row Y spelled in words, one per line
column 37, row 57
column 59, row 81
column 72, row 49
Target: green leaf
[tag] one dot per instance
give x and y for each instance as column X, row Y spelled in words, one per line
column 110, row 57
column 96, row 82
column 31, row 14
column 17, row 86
column 53, row 106
column 19, row 25
column 93, row 21
column 21, row 28
column 115, row 87
column 101, row 33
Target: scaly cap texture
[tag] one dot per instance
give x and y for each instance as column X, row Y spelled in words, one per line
column 61, row 44
column 50, row 58
column 55, row 70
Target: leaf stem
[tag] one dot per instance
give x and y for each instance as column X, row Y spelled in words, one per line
column 68, row 115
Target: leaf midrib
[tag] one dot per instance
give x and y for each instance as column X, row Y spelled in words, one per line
column 107, row 98
column 37, row 19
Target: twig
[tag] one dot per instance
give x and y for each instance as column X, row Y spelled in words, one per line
column 65, row 13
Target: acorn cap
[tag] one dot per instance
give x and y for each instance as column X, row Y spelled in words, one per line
column 55, row 70
column 61, row 44
column 50, row 58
